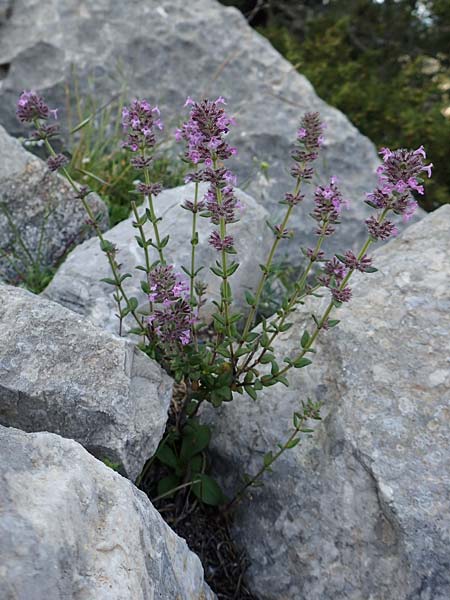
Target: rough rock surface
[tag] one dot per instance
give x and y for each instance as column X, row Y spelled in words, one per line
column 41, row 206
column 77, row 283
column 362, row 508
column 72, row 528
column 168, row 49
column 61, row 374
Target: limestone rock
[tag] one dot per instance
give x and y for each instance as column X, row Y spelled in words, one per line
column 77, row 283
column 72, row 528
column 39, row 206
column 168, row 49
column 61, row 374
column 362, row 508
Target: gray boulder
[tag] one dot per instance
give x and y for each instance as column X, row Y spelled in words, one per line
column 362, row 508
column 77, row 283
column 39, row 206
column 61, row 374
column 169, row 50
column 72, row 528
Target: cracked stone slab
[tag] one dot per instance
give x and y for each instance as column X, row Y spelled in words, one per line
column 70, row 527
column 362, row 508
column 78, row 286
column 61, row 374
column 111, row 42
column 41, row 207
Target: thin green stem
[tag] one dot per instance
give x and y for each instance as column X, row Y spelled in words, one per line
column 266, row 270
column 267, row 464
column 93, row 220
column 321, row 322
column 297, row 295
column 175, row 489
column 154, row 219
column 192, row 274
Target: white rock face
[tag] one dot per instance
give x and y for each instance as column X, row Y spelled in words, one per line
column 168, row 49
column 61, row 374
column 71, row 528
column 361, row 510
column 41, row 206
column 77, row 283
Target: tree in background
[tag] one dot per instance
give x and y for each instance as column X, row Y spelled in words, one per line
column 385, row 64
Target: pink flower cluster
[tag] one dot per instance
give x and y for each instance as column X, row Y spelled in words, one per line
column 139, row 122
column 205, row 136
column 398, row 177
column 172, row 318
column 205, row 131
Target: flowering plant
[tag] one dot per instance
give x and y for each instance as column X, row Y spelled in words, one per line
column 229, row 356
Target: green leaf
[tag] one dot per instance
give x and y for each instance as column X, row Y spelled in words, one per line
column 305, row 339
column 208, row 490
column 301, row 362
column 163, row 242
column 132, row 304
column 196, row 465
column 81, row 125
column 292, row 443
column 166, row 484
column 145, row 287
column 265, row 340
column 268, row 459
column 266, row 358
column 167, row 456
column 109, row 281
column 333, row 322
column 250, row 391
column 107, row 246
column 195, row 439
column 232, row 268
column 249, row 298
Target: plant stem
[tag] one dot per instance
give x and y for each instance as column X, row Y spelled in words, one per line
column 331, row 305
column 193, row 245
column 280, row 320
column 97, row 229
column 265, row 273
column 154, row 219
column 267, row 464
column 194, row 242
column 175, row 489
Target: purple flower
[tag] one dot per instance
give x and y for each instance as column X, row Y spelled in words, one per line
column 355, row 264
column 314, row 255
column 138, row 121
column 172, row 318
column 293, row 199
column 343, row 295
column 31, row 106
column 56, row 162
column 335, row 270
column 148, row 189
column 205, row 131
column 219, row 243
column 380, row 231
column 223, row 209
column 328, row 206
column 281, row 233
column 401, row 168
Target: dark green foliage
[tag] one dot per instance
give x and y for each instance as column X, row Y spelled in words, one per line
column 183, row 453
column 385, row 64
